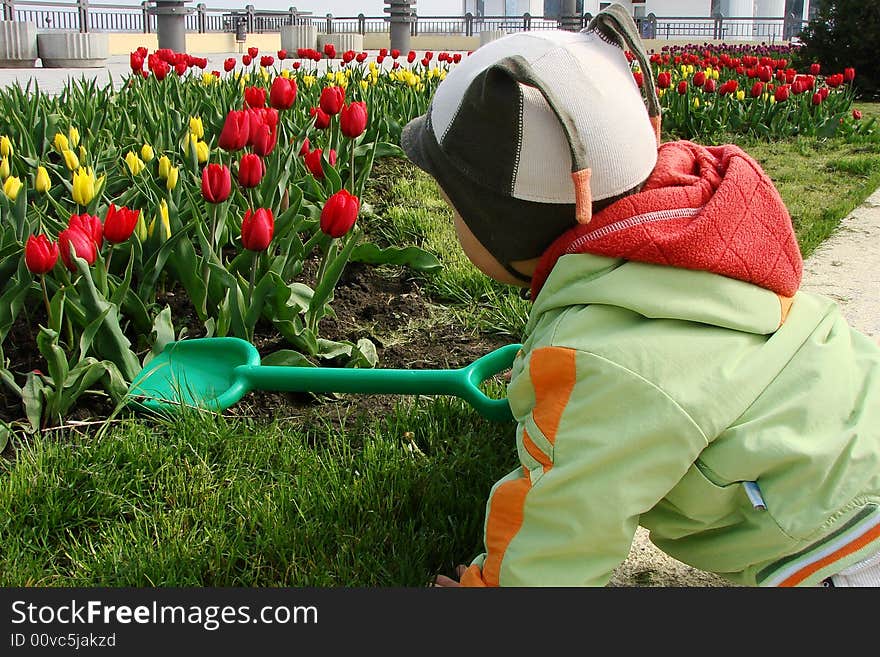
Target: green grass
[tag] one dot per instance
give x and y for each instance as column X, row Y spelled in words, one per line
column 385, row 500
column 215, row 502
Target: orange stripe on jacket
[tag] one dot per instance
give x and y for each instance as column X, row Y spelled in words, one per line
column 553, row 374
column 849, row 548
column 552, row 370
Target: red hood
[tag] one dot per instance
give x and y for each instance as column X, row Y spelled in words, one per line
column 707, row 208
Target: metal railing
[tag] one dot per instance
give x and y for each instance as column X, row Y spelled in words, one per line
column 84, row 16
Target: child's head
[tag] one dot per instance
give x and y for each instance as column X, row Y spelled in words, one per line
column 532, row 133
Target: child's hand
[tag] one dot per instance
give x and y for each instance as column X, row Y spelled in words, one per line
column 444, row 581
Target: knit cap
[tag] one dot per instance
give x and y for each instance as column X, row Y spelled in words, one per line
column 526, row 133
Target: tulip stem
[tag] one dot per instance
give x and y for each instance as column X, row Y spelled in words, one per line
column 351, row 146
column 109, row 255
column 46, row 299
column 253, row 278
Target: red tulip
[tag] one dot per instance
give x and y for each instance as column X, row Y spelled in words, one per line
column 426, row 62
column 322, row 119
column 709, row 87
column 161, row 70
column 313, row 162
column 119, row 223
column 216, row 183
column 765, row 74
column 246, row 60
column 295, row 65
column 757, row 89
column 236, row 131
column 849, row 74
column 347, row 56
column 857, row 115
column 283, row 93
column 699, row 78
column 332, row 99
column 456, row 58
column 282, row 54
column 257, row 229
column 411, row 56
column 330, row 50
column 814, row 69
column 180, row 68
column 267, row 60
column 250, row 170
column 88, row 224
column 682, row 88
column 353, row 119
column 339, row 213
column 383, row 52
column 255, row 97
column 395, row 53
column 40, row 254
column 664, row 80
column 817, row 99
column 136, row 61
column 229, row 64
column 361, row 57
column 380, row 59
column 142, row 51
column 637, row 76
column 253, row 51
column 264, row 131
column 305, row 147
column 781, row 94
column 82, row 243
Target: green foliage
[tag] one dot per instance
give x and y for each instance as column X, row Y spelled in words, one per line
column 845, row 33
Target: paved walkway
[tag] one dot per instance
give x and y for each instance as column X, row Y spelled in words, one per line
column 846, row 267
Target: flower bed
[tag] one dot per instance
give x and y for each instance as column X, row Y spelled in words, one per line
column 239, row 196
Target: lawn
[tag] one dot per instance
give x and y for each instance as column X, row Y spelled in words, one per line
column 336, row 490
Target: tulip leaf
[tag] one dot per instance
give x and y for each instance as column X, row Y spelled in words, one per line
column 5, row 435
column 330, row 349
column 157, row 261
column 410, row 256
column 364, row 354
column 257, row 304
column 9, row 379
column 33, row 396
column 286, row 358
column 13, row 298
column 163, row 329
column 56, row 360
column 109, row 341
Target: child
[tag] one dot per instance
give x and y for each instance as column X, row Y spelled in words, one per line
column 672, row 375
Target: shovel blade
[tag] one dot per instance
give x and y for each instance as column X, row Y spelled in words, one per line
column 198, row 373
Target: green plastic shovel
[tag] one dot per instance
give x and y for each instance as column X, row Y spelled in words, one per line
column 215, row 373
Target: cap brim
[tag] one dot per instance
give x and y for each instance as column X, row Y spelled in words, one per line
column 413, row 142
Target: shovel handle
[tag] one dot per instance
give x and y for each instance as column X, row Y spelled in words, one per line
column 462, row 382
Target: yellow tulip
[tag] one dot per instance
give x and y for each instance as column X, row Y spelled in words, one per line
column 196, row 128
column 364, row 85
column 202, row 151
column 11, row 187
column 41, row 180
column 660, row 93
column 84, row 185
column 207, row 79
column 73, row 136
column 4, row 168
column 164, row 166
column 373, row 67
column 715, row 73
column 70, row 159
column 147, row 153
column 696, row 102
column 308, row 81
column 740, row 95
column 285, row 74
column 163, row 217
column 82, row 152
column 140, row 228
column 60, row 142
column 265, row 74
column 5, row 146
column 171, row 180
column 772, row 100
column 135, row 164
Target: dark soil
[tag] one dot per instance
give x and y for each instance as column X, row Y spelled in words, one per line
column 383, row 304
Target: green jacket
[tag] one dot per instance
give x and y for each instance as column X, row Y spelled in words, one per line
column 681, row 401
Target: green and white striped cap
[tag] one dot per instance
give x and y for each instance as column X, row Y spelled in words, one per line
column 531, row 128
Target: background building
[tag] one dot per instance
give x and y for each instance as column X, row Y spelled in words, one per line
column 800, row 9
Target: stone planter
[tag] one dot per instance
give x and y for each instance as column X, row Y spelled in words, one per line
column 18, row 44
column 343, row 41
column 294, row 37
column 73, row 49
column 490, row 35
